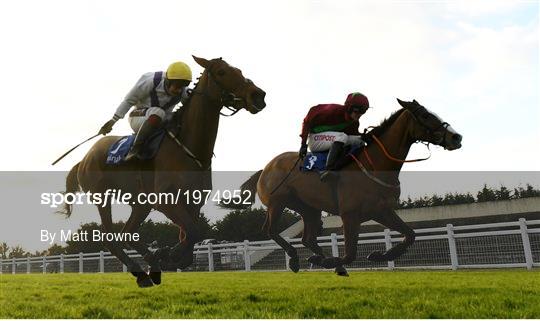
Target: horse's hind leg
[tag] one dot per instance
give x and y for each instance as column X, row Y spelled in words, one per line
column 312, row 228
column 351, row 223
column 116, row 248
column 272, row 217
column 138, row 215
column 391, row 220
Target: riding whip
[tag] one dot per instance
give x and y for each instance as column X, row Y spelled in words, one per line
column 69, row 151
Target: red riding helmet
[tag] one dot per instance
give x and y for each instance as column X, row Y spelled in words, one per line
column 356, row 99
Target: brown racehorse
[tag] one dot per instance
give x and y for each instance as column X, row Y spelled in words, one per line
column 359, row 194
column 181, row 164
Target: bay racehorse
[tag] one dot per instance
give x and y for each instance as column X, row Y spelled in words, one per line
column 183, row 163
column 368, row 187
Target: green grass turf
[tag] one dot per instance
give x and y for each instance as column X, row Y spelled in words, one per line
column 372, row 294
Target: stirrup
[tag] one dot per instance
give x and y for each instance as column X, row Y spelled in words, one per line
column 328, row 175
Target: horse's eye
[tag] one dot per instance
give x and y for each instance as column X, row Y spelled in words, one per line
column 221, row 72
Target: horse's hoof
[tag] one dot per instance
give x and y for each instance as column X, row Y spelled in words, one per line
column 315, row 259
column 155, row 277
column 144, row 281
column 376, row 256
column 294, row 265
column 341, row 271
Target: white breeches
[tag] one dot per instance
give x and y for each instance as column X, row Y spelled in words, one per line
column 323, row 141
column 137, row 121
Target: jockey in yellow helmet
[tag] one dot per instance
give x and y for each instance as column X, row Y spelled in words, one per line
column 154, row 96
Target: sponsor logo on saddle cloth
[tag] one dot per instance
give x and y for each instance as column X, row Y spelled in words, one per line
column 118, row 151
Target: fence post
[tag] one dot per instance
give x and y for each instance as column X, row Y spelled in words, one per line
column 388, row 246
column 61, row 263
column 247, row 258
column 13, row 266
column 81, row 270
column 124, row 267
column 335, row 249
column 287, row 257
column 526, row 243
column 1, row 266
column 44, row 264
column 27, row 264
column 101, row 262
column 452, row 246
column 210, row 258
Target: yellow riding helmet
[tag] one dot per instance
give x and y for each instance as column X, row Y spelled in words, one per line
column 178, row 70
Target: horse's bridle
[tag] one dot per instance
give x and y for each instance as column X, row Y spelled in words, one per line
column 429, row 131
column 227, row 97
column 432, row 131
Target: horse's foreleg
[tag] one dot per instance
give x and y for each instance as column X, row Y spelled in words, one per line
column 273, row 214
column 181, row 254
column 138, row 215
column 116, row 248
column 391, row 220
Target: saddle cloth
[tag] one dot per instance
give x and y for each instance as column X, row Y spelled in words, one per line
column 314, row 162
column 317, row 161
column 118, row 151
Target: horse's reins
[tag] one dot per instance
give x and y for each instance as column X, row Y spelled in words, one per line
column 390, row 157
column 286, row 176
column 387, row 155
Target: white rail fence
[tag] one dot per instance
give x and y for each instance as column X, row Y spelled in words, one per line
column 496, row 245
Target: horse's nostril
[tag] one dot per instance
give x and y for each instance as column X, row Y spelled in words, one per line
column 457, row 138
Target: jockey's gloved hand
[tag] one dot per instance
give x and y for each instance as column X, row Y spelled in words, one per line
column 105, row 129
column 303, row 151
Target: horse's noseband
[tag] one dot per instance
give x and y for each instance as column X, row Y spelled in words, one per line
column 227, row 98
column 438, row 132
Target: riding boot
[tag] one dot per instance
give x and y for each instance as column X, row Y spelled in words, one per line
column 334, row 155
column 146, row 130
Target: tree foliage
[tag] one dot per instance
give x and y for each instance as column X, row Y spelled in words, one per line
column 486, row 194
column 246, row 224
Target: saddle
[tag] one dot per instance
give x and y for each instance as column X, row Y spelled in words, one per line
column 118, row 151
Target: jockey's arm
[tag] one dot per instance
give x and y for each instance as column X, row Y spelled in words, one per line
column 138, row 93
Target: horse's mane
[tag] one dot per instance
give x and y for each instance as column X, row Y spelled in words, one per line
column 385, row 124
column 178, row 113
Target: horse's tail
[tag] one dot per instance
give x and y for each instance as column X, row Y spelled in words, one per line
column 72, row 186
column 241, row 203
column 251, row 186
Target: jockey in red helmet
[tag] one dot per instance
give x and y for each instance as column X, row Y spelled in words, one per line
column 331, row 127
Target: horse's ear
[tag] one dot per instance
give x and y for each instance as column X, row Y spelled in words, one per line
column 414, row 101
column 201, row 61
column 402, row 103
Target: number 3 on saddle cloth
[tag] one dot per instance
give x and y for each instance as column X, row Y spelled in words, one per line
column 121, row 147
column 317, row 161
